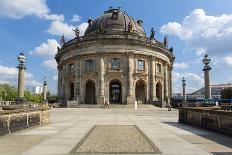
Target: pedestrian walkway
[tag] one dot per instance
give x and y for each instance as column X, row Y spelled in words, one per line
column 69, row 126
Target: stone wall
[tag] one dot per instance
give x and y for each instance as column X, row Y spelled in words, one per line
column 18, row 119
column 207, row 117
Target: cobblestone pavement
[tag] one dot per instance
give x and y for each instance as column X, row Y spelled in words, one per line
column 115, row 139
column 69, row 126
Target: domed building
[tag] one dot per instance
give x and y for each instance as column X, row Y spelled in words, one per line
column 115, row 62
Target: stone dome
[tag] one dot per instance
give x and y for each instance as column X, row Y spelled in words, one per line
column 114, row 21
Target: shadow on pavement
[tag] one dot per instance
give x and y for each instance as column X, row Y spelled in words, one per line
column 207, row 134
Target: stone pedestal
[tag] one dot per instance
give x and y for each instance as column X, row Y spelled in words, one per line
column 101, row 100
column 130, row 100
column 71, row 104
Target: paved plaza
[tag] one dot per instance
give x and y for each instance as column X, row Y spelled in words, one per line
column 69, row 127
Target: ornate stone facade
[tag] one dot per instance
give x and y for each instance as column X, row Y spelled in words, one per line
column 115, row 62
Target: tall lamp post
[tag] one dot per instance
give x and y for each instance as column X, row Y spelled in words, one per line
column 21, row 66
column 206, row 70
column 184, row 93
column 45, row 89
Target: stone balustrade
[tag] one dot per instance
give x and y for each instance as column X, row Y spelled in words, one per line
column 22, row 118
column 212, row 118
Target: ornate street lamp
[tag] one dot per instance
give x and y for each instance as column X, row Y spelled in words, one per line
column 206, row 70
column 21, row 66
column 184, row 94
column 45, row 90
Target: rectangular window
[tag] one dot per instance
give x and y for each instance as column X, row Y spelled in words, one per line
column 159, row 68
column 141, row 65
column 89, row 65
column 71, row 68
column 115, row 63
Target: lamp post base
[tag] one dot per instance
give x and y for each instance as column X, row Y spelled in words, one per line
column 21, row 101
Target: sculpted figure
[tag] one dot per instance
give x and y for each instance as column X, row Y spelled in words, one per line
column 77, row 31
column 152, row 36
column 130, row 27
column 101, row 26
column 166, row 41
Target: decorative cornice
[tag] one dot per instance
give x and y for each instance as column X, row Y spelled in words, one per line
column 88, row 41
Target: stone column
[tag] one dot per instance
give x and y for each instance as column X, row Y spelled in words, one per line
column 165, row 100
column 170, row 82
column 102, row 81
column 45, row 90
column 21, row 67
column 152, row 80
column 207, row 85
column 21, row 82
column 77, row 80
column 130, row 69
column 184, row 93
column 206, row 70
column 59, row 84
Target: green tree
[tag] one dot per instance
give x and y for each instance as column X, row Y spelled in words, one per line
column 37, row 98
column 226, row 93
column 7, row 92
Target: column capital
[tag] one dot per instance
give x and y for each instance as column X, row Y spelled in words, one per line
column 129, row 53
column 152, row 57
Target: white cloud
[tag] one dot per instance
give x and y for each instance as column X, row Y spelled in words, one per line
column 228, row 60
column 22, row 8
column 230, row 78
column 82, row 27
column 181, row 65
column 200, row 51
column 203, row 33
column 55, row 77
column 59, row 28
column 10, row 75
column 50, row 64
column 33, row 83
column 76, row 18
column 48, row 48
column 193, row 81
column 53, row 17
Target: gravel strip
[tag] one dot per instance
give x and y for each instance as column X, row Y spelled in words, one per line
column 115, row 139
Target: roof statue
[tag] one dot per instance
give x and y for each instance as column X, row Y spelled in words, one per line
column 77, row 32
column 171, row 49
column 130, row 27
column 62, row 40
column 152, row 36
column 101, row 26
column 166, row 41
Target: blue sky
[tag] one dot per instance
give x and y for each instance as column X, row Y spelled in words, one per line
column 193, row 28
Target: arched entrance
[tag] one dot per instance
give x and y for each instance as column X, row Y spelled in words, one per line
column 115, row 92
column 71, row 97
column 90, row 97
column 159, row 91
column 140, row 91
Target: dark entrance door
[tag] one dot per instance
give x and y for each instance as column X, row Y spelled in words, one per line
column 115, row 92
column 140, row 91
column 90, row 93
column 71, row 97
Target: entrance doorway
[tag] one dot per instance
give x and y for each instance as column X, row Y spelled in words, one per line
column 140, row 91
column 115, row 92
column 71, row 97
column 159, row 91
column 90, row 96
